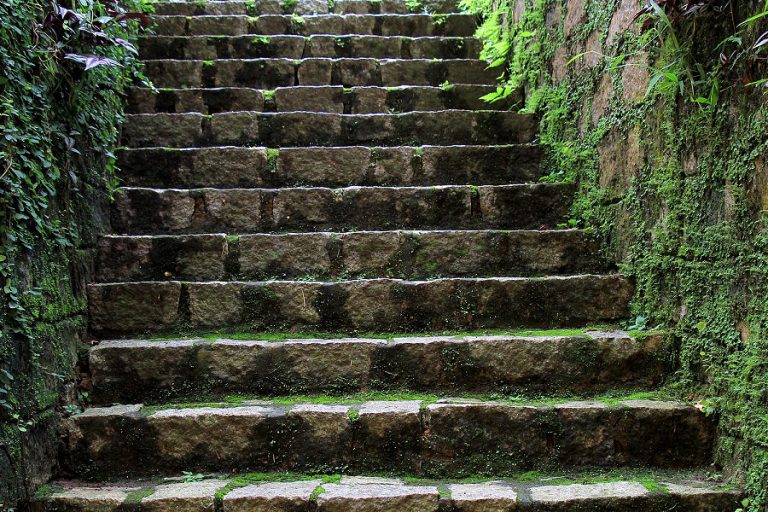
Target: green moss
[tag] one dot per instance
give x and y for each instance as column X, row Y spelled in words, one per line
column 135, row 497
column 653, row 485
column 611, row 398
column 289, row 6
column 58, row 141
column 686, row 223
column 316, row 493
column 273, row 156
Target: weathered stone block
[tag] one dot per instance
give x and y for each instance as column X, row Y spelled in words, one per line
column 84, row 499
column 610, row 496
column 316, row 99
column 271, row 497
column 377, row 498
column 203, row 437
column 331, row 166
column 486, row 497
column 156, row 130
column 285, row 255
column 183, row 497
column 234, row 128
column 388, row 435
column 126, row 307
column 217, row 25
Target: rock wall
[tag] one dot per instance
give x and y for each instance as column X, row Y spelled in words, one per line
column 58, row 129
column 675, row 184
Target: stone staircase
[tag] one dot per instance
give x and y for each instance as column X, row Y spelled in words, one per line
column 329, row 167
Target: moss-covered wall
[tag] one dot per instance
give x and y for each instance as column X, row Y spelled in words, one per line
column 677, row 189
column 58, row 128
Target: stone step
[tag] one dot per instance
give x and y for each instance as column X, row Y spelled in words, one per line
column 375, row 494
column 448, row 439
column 280, row 129
column 329, row 98
column 134, row 370
column 410, row 25
column 398, row 254
column 330, row 166
column 174, row 211
column 362, row 305
column 301, row 7
column 298, row 47
column 273, row 73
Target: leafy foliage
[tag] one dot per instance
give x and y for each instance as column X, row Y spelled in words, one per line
column 673, row 25
column 678, row 190
column 65, row 65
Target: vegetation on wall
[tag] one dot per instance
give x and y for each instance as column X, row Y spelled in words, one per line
column 65, row 65
column 659, row 117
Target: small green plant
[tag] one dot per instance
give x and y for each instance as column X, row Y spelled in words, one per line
column 289, row 5
column 439, row 20
column 273, row 155
column 297, row 20
column 414, row 5
column 261, row 40
column 671, row 25
column 446, row 86
column 190, row 477
column 316, row 493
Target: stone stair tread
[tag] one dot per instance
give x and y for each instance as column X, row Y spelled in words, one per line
column 397, row 253
column 231, row 166
column 127, row 370
column 362, row 304
column 679, row 491
column 244, row 7
column 453, row 24
column 297, row 47
column 323, row 98
column 439, row 439
column 269, row 73
column 517, row 206
column 278, row 129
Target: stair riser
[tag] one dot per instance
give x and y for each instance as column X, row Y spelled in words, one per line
column 333, row 99
column 413, row 25
column 273, row 73
column 443, row 440
column 151, row 211
column 331, row 167
column 375, row 305
column 298, row 47
column 311, row 129
column 133, row 371
column 410, row 255
column 262, row 7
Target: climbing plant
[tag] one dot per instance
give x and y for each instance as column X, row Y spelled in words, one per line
column 65, row 65
column 657, row 114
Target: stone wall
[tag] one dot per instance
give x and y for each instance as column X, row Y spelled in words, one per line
column 676, row 189
column 45, row 362
column 58, row 133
